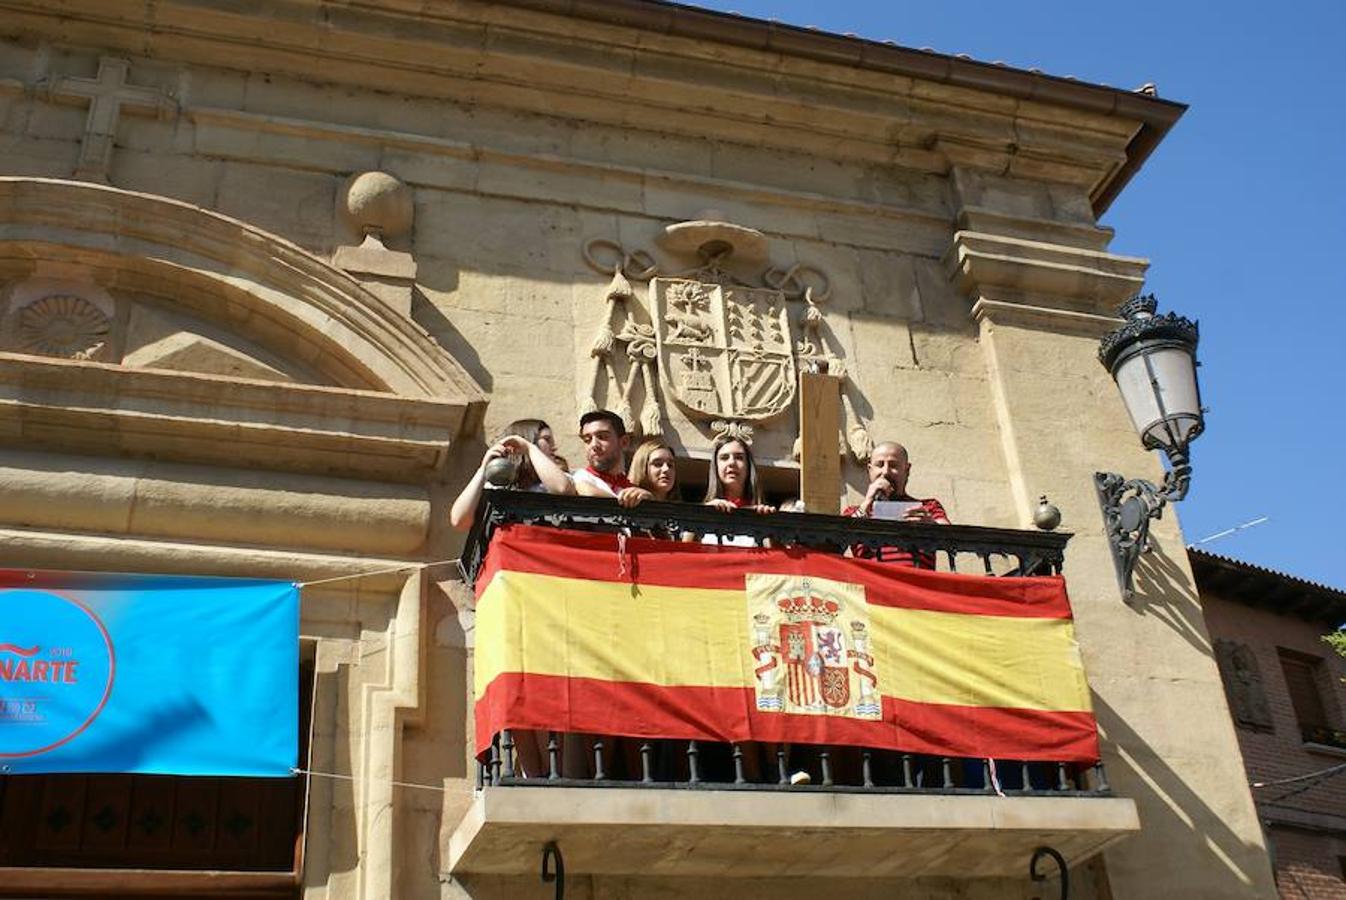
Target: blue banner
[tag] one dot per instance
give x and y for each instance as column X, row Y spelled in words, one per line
column 153, row 674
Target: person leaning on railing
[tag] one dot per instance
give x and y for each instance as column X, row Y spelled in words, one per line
column 653, row 473
column 528, row 462
column 605, row 440
column 523, row 458
column 889, row 469
column 733, row 484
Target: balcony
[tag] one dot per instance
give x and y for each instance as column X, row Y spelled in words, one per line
column 668, row 803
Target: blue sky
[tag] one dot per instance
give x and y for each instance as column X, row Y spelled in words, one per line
column 1241, row 210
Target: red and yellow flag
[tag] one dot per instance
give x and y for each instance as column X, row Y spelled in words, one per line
column 597, row 634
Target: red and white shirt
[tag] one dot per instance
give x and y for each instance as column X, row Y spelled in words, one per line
column 897, row 555
column 609, row 483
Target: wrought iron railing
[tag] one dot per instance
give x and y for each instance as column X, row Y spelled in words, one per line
column 554, row 759
column 991, row 551
column 664, row 764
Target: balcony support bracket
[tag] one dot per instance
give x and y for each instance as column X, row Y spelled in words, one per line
column 1060, row 861
column 556, row 873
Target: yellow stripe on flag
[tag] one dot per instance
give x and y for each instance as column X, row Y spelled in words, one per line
column 939, row 657
column 678, row 636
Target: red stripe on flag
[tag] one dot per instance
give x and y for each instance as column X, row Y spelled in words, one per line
column 597, row 557
column 625, row 709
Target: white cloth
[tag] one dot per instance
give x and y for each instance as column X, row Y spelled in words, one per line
column 584, row 476
column 733, row 540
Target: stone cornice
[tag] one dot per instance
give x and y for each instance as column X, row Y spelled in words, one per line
column 1087, row 281
column 1155, row 116
column 228, row 134
column 35, row 548
column 1046, row 318
column 620, row 69
column 86, row 407
column 1051, row 231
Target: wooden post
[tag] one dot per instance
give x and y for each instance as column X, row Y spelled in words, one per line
column 820, row 450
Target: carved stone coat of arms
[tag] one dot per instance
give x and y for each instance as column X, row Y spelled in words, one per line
column 724, row 351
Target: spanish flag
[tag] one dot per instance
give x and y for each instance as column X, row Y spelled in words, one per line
column 605, row 634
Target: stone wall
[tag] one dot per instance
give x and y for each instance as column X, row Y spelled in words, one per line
column 947, row 232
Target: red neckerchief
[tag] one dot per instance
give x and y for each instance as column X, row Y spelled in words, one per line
column 739, row 503
column 616, row 482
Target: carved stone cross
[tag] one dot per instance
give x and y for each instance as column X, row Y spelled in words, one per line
column 106, row 95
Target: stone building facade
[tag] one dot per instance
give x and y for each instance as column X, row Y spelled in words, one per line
column 1286, row 694
column 270, row 274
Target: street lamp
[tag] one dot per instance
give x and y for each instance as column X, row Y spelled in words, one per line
column 1153, row 360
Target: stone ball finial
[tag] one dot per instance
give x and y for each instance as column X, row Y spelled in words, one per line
column 1046, row 516
column 377, row 203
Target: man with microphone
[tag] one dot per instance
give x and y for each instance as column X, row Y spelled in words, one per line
column 889, row 468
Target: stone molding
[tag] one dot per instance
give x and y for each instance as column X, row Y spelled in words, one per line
column 1089, row 281
column 395, row 701
column 96, row 408
column 150, row 499
column 1052, row 231
column 1046, row 318
column 351, row 334
column 499, row 54
column 228, row 134
column 36, row 548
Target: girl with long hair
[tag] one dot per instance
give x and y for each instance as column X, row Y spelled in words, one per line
column 530, row 444
column 653, row 470
column 734, row 483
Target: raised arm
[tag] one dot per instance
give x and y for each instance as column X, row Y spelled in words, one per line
column 465, row 506
column 548, row 472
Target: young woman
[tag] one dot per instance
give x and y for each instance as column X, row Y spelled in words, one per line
column 530, row 442
column 733, row 480
column 653, row 471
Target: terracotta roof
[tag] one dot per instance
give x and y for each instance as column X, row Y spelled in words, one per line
column 1155, row 115
column 1265, row 588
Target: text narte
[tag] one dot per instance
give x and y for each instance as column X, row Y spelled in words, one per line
column 49, row 672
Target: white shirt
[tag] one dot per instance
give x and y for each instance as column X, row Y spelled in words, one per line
column 584, row 476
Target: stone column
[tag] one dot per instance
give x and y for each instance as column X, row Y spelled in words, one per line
column 1168, row 740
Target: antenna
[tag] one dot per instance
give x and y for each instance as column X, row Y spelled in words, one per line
column 1228, row 531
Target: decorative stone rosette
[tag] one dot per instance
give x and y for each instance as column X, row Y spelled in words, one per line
column 62, row 325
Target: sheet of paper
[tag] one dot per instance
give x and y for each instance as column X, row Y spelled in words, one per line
column 894, row 509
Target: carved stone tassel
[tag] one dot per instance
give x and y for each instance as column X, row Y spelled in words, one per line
column 624, row 410
column 861, row 444
column 650, row 416
column 619, row 291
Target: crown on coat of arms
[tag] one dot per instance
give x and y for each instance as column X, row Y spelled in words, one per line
column 809, row 608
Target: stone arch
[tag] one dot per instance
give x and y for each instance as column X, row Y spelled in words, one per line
column 231, row 272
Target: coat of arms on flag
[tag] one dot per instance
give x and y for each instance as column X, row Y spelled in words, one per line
column 811, row 646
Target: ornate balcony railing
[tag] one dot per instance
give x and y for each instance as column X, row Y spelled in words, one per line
column 991, row 551
column 571, row 760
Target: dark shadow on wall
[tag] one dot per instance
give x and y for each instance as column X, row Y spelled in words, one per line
column 1178, row 827
column 1163, row 590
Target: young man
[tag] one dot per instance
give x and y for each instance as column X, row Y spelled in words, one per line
column 605, row 441
column 889, row 468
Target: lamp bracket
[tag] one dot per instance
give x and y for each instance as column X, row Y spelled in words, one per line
column 1130, row 504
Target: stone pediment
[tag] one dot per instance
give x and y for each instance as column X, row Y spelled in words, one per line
column 145, row 326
